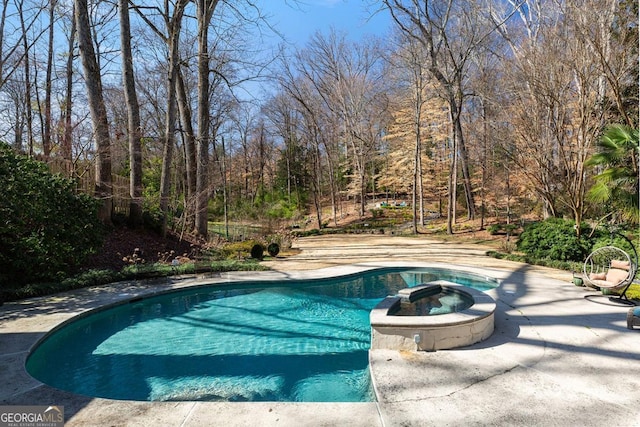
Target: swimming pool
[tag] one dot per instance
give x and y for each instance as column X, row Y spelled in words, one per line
column 290, row 341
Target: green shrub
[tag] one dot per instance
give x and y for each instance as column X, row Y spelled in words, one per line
column 273, row 249
column 494, row 229
column 377, row 213
column 307, row 233
column 46, row 230
column 510, row 228
column 561, row 265
column 152, row 218
column 502, row 228
column 282, row 209
column 615, row 240
column 257, row 251
column 554, row 239
column 238, row 249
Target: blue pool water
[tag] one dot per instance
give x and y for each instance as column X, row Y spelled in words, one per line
column 299, row 341
column 442, row 301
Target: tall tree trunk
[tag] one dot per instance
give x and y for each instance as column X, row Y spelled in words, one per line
column 416, row 179
column 417, row 169
column 67, row 151
column 453, row 182
column 170, row 129
column 261, row 157
column 133, row 118
column 93, row 82
column 363, row 191
column 420, row 191
column 317, row 177
column 461, row 152
column 484, row 163
column 27, row 80
column 332, row 186
column 3, row 20
column 225, row 194
column 202, row 141
column 205, row 10
column 173, row 42
column 190, row 150
column 46, row 136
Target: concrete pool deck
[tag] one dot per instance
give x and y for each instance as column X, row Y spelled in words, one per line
column 559, row 355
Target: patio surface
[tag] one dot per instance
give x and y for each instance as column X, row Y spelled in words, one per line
column 560, row 355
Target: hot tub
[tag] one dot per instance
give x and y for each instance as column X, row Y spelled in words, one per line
column 434, row 316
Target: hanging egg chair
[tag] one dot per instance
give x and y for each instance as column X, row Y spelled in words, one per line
column 610, row 267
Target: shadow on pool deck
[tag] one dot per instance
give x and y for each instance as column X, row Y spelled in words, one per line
column 560, row 355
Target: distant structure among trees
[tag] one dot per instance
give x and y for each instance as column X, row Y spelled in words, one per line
column 491, row 108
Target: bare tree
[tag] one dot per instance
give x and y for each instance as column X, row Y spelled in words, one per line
column 27, row 77
column 13, row 46
column 450, row 31
column 93, row 82
column 134, row 131
column 348, row 79
column 315, row 128
column 560, row 101
column 409, row 60
column 189, row 141
column 66, row 111
column 204, row 13
column 172, row 16
column 611, row 38
column 46, row 136
column 285, row 123
column 13, row 110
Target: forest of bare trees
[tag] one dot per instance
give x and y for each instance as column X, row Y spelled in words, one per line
column 486, row 108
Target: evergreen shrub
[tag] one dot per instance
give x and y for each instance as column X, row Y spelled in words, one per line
column 237, row 250
column 618, row 241
column 554, row 239
column 47, row 230
column 257, row 251
column 273, row 249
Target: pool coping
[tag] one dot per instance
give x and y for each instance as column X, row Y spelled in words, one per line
column 24, row 323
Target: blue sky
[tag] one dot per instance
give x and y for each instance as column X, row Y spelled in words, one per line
column 297, row 22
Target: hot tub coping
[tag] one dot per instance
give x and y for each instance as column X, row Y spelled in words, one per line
column 483, row 306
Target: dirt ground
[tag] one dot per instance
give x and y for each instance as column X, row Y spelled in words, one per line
column 122, row 242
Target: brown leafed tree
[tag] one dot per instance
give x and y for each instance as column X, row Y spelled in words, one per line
column 449, row 31
column 561, row 97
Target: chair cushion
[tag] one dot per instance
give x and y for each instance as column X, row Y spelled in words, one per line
column 603, row 283
column 598, row 276
column 616, row 275
column 616, row 263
